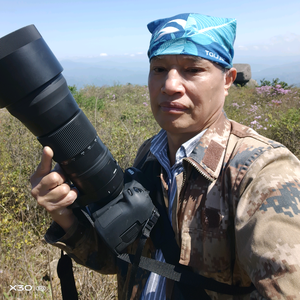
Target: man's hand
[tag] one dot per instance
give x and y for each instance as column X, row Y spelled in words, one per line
column 51, row 191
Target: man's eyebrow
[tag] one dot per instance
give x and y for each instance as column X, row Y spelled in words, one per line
column 156, row 58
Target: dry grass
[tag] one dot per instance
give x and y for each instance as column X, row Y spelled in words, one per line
column 26, row 261
column 36, row 267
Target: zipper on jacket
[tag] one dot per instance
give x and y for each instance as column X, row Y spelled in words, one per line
column 196, row 167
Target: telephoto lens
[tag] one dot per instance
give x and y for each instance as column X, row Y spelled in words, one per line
column 34, row 91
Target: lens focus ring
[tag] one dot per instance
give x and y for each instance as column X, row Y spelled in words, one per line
column 70, row 139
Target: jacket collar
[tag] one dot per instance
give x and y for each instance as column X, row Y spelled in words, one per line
column 208, row 156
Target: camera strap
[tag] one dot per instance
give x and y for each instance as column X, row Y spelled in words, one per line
column 191, row 285
column 66, row 277
column 136, row 259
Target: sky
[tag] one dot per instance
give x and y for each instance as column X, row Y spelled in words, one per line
column 96, row 28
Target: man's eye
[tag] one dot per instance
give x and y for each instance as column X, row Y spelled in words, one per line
column 158, row 69
column 193, row 70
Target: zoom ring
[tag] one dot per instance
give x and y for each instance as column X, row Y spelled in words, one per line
column 70, row 139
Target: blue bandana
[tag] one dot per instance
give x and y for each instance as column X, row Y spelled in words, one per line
column 194, row 34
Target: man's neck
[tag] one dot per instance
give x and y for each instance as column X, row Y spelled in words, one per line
column 175, row 142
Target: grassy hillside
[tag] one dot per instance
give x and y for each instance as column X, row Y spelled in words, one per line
column 123, row 120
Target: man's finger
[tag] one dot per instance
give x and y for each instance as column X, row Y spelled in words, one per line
column 45, row 165
column 52, row 180
column 58, row 198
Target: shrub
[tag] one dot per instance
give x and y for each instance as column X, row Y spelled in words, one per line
column 274, row 83
column 271, row 111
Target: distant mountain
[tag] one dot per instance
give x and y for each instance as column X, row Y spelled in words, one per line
column 285, row 68
column 289, row 73
column 106, row 71
column 99, row 76
column 112, row 70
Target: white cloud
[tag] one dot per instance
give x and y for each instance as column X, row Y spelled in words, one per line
column 287, row 44
column 243, row 48
column 103, row 54
column 288, row 38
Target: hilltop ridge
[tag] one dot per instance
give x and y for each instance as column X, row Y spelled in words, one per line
column 110, row 70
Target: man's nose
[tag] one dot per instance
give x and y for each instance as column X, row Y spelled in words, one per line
column 173, row 83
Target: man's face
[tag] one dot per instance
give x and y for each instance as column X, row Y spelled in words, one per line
column 187, row 93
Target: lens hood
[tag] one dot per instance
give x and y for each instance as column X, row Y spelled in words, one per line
column 26, row 64
column 34, row 91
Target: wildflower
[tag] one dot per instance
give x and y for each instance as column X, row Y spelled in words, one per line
column 145, row 103
column 276, row 102
column 254, row 108
column 235, row 105
column 263, row 89
column 271, row 90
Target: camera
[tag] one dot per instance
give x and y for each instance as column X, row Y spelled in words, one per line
column 34, row 91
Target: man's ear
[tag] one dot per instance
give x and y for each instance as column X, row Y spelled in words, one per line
column 230, row 77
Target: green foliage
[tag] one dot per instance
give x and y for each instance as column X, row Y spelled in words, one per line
column 274, row 83
column 88, row 103
column 73, row 89
column 286, row 128
column 271, row 111
column 18, row 150
column 287, row 121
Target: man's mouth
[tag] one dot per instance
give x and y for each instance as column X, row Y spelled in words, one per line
column 172, row 107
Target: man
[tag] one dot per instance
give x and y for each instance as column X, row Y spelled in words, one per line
column 232, row 195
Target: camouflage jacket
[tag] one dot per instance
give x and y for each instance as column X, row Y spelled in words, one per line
column 236, row 217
